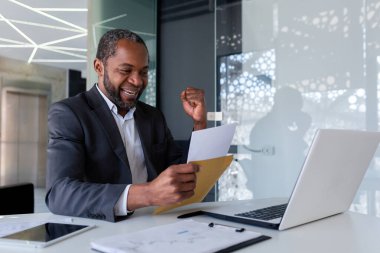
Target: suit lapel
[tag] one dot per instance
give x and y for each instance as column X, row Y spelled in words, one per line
column 107, row 121
column 143, row 124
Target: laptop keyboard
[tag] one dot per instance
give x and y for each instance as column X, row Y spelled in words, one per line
column 268, row 213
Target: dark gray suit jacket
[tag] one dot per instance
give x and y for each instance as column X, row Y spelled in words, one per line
column 87, row 164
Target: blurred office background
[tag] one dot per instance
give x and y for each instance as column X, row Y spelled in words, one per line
column 280, row 69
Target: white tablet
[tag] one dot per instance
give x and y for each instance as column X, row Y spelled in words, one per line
column 43, row 235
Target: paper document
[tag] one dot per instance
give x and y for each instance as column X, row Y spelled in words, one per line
column 211, row 142
column 208, row 149
column 186, row 236
column 209, row 172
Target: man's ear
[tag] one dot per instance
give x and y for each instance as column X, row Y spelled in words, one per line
column 99, row 67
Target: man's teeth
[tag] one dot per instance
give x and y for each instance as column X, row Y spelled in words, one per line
column 131, row 93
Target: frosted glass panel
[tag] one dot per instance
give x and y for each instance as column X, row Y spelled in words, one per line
column 285, row 69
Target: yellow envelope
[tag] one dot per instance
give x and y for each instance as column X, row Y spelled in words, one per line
column 209, row 172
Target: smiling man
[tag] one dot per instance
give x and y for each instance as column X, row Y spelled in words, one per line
column 109, row 153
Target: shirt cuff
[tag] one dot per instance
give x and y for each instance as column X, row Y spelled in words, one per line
column 120, row 208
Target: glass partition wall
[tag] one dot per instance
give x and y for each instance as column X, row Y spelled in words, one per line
column 285, row 69
column 139, row 16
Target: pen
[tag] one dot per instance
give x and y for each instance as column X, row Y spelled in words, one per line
column 212, row 224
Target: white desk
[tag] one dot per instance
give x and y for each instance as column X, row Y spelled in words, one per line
column 346, row 233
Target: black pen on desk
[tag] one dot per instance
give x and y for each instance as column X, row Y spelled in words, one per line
column 212, row 224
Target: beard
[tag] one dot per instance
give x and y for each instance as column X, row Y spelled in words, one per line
column 115, row 94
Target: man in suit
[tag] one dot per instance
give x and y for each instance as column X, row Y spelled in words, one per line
column 109, row 153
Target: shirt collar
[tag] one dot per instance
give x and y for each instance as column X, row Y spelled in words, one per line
column 113, row 107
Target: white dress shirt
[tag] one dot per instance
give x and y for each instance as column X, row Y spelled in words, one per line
column 132, row 144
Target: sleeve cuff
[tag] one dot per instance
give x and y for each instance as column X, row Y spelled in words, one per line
column 120, row 208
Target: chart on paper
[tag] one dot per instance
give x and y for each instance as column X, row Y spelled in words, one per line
column 185, row 236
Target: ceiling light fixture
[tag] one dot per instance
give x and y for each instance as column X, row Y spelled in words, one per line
column 63, row 52
column 57, row 60
column 48, row 15
column 32, row 55
column 45, row 26
column 17, row 30
column 50, row 45
column 17, row 46
column 64, row 39
column 69, row 48
column 11, row 41
column 98, row 24
column 62, row 9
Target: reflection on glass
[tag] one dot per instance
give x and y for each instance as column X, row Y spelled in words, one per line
column 284, row 72
column 278, row 146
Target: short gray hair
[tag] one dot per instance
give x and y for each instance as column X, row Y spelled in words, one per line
column 108, row 42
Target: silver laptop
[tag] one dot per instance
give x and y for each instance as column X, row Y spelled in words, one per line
column 331, row 174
